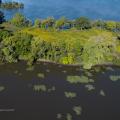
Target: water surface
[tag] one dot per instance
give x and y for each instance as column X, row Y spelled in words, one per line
column 22, row 94
column 94, row 9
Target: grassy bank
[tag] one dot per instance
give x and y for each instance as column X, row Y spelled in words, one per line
column 20, row 40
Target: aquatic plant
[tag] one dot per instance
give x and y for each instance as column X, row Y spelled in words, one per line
column 78, row 79
column 40, row 88
column 77, row 110
column 59, row 116
column 68, row 116
column 52, row 89
column 16, row 72
column 20, row 74
column 102, row 93
column 2, row 88
column 90, row 87
column 70, row 94
column 114, row 77
column 48, row 70
column 41, row 75
column 30, row 68
column 89, row 74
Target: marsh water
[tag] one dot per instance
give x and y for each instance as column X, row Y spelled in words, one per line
column 38, row 93
column 94, row 9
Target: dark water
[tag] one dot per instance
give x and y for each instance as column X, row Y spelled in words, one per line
column 27, row 104
column 95, row 9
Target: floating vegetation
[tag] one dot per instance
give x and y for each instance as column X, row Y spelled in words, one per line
column 52, row 89
column 20, row 74
column 115, row 77
column 89, row 74
column 90, row 87
column 68, row 116
column 70, row 94
column 41, row 75
column 77, row 110
column 30, row 68
column 47, row 70
column 102, row 93
column 2, row 88
column 64, row 71
column 59, row 116
column 78, row 79
column 40, row 88
column 16, row 72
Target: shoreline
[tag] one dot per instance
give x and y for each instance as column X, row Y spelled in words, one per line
column 65, row 65
column 77, row 65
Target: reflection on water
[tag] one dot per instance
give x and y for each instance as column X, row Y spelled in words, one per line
column 48, row 93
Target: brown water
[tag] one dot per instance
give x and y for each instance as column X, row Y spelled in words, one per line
column 20, row 100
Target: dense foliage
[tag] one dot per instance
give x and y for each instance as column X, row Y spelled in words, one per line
column 11, row 5
column 20, row 20
column 79, row 41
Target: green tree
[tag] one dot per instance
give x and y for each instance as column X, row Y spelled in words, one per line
column 17, row 47
column 48, row 23
column 4, row 34
column 37, row 23
column 98, row 50
column 60, row 23
column 110, row 25
column 82, row 23
column 20, row 20
column 99, row 24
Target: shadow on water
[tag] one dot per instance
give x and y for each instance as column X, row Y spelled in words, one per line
column 45, row 93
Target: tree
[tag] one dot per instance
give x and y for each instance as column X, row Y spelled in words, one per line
column 37, row 23
column 98, row 50
column 99, row 24
column 4, row 34
column 17, row 47
column 48, row 23
column 60, row 23
column 110, row 25
column 20, row 20
column 82, row 23
column 1, row 17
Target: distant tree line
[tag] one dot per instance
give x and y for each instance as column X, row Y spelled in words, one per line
column 81, row 23
column 11, row 5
